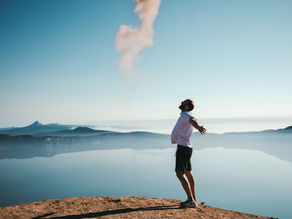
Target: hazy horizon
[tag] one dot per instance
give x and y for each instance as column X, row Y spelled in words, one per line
column 164, row 126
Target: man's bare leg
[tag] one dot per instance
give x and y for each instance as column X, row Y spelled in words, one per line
column 185, row 184
column 192, row 183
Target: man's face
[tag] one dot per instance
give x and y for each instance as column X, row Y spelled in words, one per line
column 184, row 105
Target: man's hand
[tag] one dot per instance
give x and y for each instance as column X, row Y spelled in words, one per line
column 200, row 128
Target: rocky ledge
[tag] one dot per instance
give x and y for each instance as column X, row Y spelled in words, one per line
column 112, row 207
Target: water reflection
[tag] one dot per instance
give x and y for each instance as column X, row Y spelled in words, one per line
column 242, row 180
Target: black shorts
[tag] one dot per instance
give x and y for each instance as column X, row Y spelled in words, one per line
column 183, row 158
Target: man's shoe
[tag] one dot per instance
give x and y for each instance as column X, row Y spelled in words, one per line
column 189, row 203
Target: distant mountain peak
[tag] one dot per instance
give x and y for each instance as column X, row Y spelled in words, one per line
column 36, row 124
column 83, row 129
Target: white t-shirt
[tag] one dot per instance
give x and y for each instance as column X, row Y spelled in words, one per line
column 182, row 131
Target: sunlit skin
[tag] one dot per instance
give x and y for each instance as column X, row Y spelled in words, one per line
column 189, row 184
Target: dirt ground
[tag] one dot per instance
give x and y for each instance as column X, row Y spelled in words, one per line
column 110, row 207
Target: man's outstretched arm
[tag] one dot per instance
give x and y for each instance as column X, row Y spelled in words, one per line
column 196, row 125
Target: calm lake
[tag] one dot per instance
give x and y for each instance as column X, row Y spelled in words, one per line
column 235, row 179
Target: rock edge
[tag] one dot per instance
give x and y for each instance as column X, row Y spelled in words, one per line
column 115, row 207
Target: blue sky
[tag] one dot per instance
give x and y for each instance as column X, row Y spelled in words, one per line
column 58, row 61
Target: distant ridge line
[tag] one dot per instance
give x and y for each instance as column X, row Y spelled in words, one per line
column 54, row 129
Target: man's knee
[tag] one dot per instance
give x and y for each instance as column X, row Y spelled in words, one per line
column 189, row 175
column 179, row 174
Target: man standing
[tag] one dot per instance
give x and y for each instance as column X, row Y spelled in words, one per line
column 181, row 135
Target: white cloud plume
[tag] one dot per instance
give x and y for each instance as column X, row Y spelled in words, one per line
column 131, row 41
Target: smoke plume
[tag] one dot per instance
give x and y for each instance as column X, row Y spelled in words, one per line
column 131, row 41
